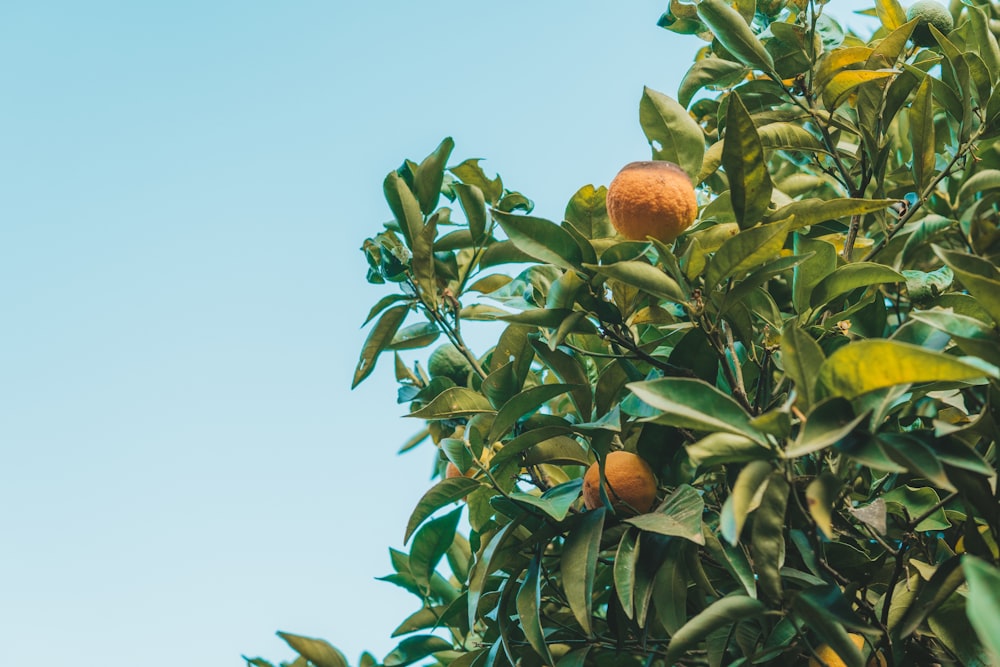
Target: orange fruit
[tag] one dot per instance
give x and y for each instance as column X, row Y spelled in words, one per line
column 652, row 198
column 451, row 470
column 631, row 483
column 830, row 657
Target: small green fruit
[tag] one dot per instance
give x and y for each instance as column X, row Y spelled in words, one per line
column 929, row 13
column 446, row 361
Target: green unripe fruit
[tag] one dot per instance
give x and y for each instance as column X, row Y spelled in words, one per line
column 446, row 361
column 929, row 13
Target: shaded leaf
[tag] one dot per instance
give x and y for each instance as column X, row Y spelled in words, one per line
column 691, row 403
column 429, row 546
column 745, row 498
column 430, row 175
column 678, row 516
column 983, row 604
column 413, row 649
column 441, row 494
column 378, row 339
column 578, row 565
column 528, row 602
column 719, row 614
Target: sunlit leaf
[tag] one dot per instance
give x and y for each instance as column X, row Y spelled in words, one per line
column 850, row 277
column 731, row 29
column 317, row 651
column 867, row 365
column 454, row 402
column 645, row 276
column 671, row 131
column 743, row 159
column 587, row 211
column 543, row 240
column 767, row 541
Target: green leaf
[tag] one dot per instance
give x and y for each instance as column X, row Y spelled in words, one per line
column 578, row 565
column 801, row 357
column 526, row 402
column 471, row 173
column 768, row 538
column 745, row 498
column 732, row 31
column 528, row 602
column 485, row 565
column 413, row 649
column 978, row 276
column 743, row 159
column 643, row 275
column 825, row 610
column 679, row 516
column 812, row 211
column 719, row 614
column 915, row 502
column 890, row 13
column 691, row 403
column 946, row 579
column 716, row 448
column 987, row 179
column 850, row 277
column 587, row 211
column 454, row 402
column 555, row 502
column 829, row 422
column 430, row 175
column 570, row 371
column 983, row 605
column 473, row 204
column 821, row 494
column 414, row 336
column 317, row 651
column 866, row 365
column 671, row 131
column 404, row 206
column 748, row 249
column 543, row 240
column 384, row 303
column 836, row 90
column 428, row 617
column 626, row 559
column 922, row 134
column 430, row 544
column 378, row 340
column 443, row 493
column 708, row 72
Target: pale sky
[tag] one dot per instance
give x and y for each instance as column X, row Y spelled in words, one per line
column 185, row 187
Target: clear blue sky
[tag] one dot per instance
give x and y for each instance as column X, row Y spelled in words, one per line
column 185, row 186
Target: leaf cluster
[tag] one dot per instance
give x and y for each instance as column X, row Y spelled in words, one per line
column 811, row 369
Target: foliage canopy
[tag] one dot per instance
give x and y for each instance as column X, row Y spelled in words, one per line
column 811, row 370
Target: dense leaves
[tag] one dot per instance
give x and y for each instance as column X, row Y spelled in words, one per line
column 811, row 369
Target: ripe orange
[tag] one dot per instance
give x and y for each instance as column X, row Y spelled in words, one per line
column 831, row 658
column 631, row 483
column 451, row 470
column 651, row 199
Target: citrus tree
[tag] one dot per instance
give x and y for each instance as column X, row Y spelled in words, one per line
column 744, row 407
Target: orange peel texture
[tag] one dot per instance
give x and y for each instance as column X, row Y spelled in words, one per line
column 631, row 483
column 653, row 198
